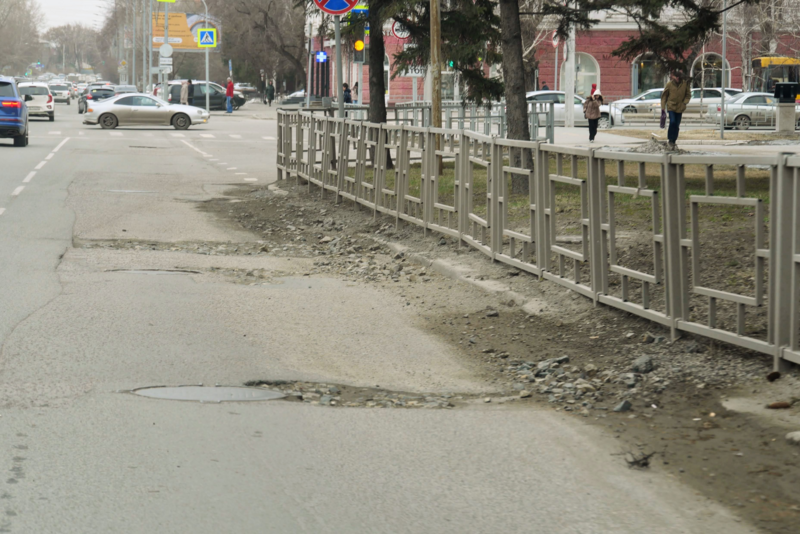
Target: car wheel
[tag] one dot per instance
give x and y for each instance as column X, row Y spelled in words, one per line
column 742, row 122
column 108, row 121
column 181, row 122
column 605, row 122
column 21, row 141
column 51, row 116
column 630, row 109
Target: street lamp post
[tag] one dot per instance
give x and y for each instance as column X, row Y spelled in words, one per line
column 208, row 103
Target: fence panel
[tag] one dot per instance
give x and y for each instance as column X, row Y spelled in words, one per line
column 477, row 184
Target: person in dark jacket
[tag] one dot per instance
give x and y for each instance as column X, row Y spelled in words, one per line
column 591, row 109
column 191, row 93
column 270, row 93
column 348, row 96
column 676, row 95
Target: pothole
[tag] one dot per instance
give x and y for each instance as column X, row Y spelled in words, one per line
column 208, row 393
column 336, row 395
column 152, row 271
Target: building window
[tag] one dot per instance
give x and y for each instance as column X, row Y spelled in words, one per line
column 587, row 72
column 646, row 75
column 707, row 71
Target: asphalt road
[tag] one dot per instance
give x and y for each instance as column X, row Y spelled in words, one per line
column 81, row 454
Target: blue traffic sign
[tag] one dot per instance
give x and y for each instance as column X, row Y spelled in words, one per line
column 321, row 57
column 207, row 38
column 336, row 7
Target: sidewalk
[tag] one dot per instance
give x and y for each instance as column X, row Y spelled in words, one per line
column 253, row 109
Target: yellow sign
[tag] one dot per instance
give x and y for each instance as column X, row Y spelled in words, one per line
column 167, row 1
column 184, row 30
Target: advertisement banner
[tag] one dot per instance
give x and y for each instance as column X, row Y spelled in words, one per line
column 183, row 30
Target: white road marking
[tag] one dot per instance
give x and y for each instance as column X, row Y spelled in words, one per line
column 221, row 163
column 215, row 159
column 207, row 136
column 232, row 168
column 62, row 143
column 193, row 147
column 2, row 211
column 148, row 135
column 17, row 191
column 116, row 134
column 241, row 174
column 236, row 136
column 29, row 177
column 54, row 133
column 177, row 135
column 251, row 179
column 80, row 133
column 40, row 165
column 50, row 155
column 268, row 138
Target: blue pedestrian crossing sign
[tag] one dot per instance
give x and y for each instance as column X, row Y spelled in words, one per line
column 207, row 38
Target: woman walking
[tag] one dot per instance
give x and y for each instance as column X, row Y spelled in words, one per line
column 191, row 93
column 591, row 110
column 184, row 93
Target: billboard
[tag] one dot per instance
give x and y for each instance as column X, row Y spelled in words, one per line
column 183, row 30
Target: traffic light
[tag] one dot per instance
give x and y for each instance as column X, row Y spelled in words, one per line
column 358, row 51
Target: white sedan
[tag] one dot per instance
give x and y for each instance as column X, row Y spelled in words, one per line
column 139, row 109
column 609, row 116
column 42, row 103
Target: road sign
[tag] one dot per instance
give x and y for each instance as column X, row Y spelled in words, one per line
column 361, row 9
column 164, row 61
column 321, row 57
column 207, row 38
column 165, row 50
column 123, row 63
column 165, row 70
column 555, row 40
column 415, row 71
column 400, row 31
column 336, row 7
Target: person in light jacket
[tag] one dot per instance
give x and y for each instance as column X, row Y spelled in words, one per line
column 591, row 110
column 676, row 95
column 184, row 93
column 190, row 85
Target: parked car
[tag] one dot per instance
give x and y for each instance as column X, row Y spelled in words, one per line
column 248, row 90
column 748, row 109
column 298, row 97
column 709, row 95
column 609, row 116
column 139, row 109
column 641, row 103
column 13, row 112
column 94, row 93
column 60, row 92
column 120, row 89
column 217, row 98
column 41, row 103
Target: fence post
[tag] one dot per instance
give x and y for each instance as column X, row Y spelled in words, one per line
column 781, row 254
column 281, row 119
column 497, row 189
column 675, row 286
column 551, row 123
column 596, row 250
column 542, row 170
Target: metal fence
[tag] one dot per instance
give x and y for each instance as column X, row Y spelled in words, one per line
column 468, row 197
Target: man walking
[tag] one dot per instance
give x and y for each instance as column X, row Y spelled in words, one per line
column 673, row 100
column 229, row 95
column 270, row 93
column 190, row 93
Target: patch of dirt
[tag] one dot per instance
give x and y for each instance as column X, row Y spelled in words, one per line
column 688, row 134
column 536, row 342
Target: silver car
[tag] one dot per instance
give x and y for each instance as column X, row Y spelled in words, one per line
column 609, row 116
column 642, row 103
column 139, row 109
column 748, row 109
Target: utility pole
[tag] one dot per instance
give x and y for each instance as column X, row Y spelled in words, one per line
column 208, row 96
column 134, row 35
column 145, row 66
column 339, row 90
column 724, row 56
column 569, row 80
column 310, row 64
column 150, row 43
column 436, row 64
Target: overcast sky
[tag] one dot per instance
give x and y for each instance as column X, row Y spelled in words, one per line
column 87, row 12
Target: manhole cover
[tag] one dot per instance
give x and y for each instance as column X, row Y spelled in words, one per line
column 209, row 394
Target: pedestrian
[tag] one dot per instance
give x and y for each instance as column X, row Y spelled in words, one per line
column 594, row 89
column 270, row 93
column 229, row 95
column 544, row 86
column 348, row 95
column 355, row 93
column 591, row 110
column 184, row 93
column 676, row 95
column 191, row 93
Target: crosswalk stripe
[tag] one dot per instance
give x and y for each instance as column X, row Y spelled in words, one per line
column 207, row 136
column 251, row 179
column 116, row 134
column 54, row 133
column 177, row 135
column 268, row 138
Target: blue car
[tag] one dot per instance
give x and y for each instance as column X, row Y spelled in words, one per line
column 13, row 112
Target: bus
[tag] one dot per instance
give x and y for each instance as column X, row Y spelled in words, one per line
column 767, row 71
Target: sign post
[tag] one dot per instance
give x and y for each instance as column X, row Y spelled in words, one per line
column 163, row 78
column 337, row 8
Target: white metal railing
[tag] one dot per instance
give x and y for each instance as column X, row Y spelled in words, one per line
column 471, row 200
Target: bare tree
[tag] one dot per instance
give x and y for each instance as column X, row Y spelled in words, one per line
column 20, row 21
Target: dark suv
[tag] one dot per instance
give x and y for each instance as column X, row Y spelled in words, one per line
column 94, row 93
column 13, row 112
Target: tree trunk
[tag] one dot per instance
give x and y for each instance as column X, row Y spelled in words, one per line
column 377, row 87
column 514, row 79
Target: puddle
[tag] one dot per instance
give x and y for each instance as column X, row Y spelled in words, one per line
column 208, row 393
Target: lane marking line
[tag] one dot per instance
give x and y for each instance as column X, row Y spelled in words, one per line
column 80, row 133
column 54, row 133
column 207, row 136
column 181, row 135
column 50, row 156
column 268, row 138
column 29, row 177
column 64, row 142
column 116, row 134
column 236, row 136
column 251, row 179
column 2, row 211
column 215, row 159
column 232, row 168
column 193, row 147
column 40, row 165
column 245, row 174
column 17, row 191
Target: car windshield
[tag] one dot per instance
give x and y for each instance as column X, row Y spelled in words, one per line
column 33, row 90
column 160, row 101
column 59, row 87
column 736, row 98
column 7, row 90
